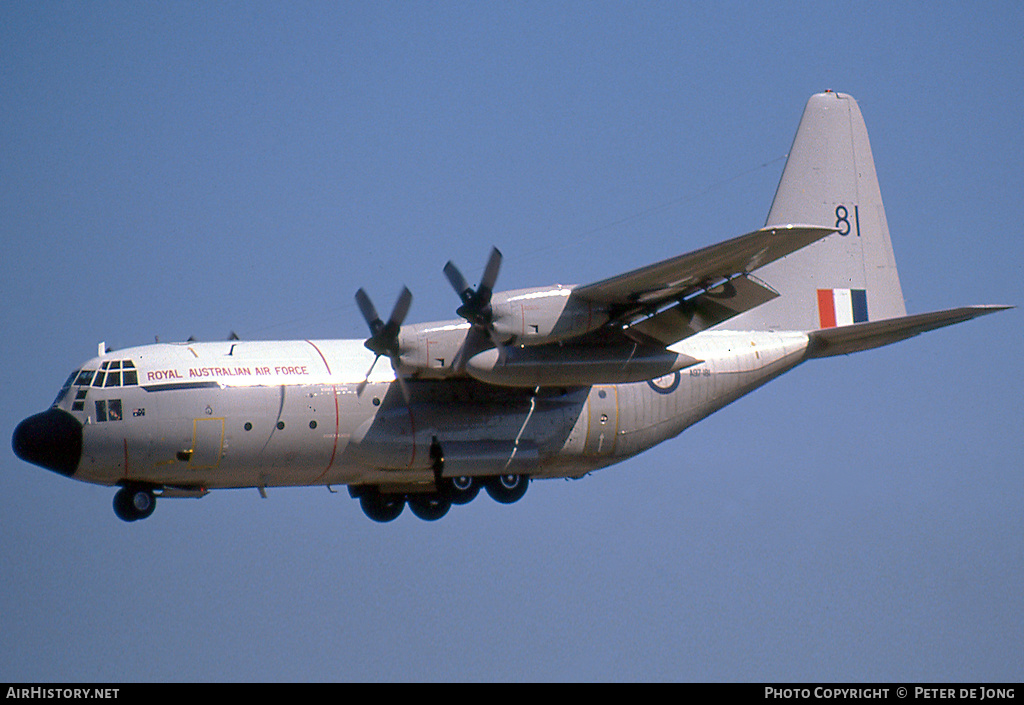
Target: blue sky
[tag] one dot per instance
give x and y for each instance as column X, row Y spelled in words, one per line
column 179, row 169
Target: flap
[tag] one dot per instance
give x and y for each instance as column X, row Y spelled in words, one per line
column 710, row 308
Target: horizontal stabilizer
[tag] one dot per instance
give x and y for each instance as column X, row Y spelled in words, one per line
column 864, row 336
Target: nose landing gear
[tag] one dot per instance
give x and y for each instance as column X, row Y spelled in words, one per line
column 134, row 502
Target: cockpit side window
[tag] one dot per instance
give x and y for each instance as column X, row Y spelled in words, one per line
column 84, row 378
column 65, row 389
column 108, row 410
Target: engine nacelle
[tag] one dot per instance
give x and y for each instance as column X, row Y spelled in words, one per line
column 524, row 317
column 568, row 366
column 544, row 315
column 430, row 349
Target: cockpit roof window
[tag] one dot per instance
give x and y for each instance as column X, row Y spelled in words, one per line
column 112, row 373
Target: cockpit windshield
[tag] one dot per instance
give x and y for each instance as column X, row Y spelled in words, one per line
column 116, row 373
column 112, row 373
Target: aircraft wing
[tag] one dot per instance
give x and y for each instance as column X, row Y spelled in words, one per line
column 685, row 274
column 679, row 297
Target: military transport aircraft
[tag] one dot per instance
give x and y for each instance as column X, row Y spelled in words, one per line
column 547, row 382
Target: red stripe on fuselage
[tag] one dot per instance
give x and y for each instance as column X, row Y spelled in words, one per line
column 321, row 356
column 337, row 414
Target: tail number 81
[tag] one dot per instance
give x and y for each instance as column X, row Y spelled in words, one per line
column 843, row 224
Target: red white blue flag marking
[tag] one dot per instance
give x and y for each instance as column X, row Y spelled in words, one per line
column 842, row 307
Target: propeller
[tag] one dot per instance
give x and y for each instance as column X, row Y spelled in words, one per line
column 383, row 340
column 476, row 305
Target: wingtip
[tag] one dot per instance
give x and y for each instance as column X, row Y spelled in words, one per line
column 773, row 228
column 992, row 308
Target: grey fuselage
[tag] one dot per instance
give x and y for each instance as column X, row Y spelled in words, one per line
column 199, row 416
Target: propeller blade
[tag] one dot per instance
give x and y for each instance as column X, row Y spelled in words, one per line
column 472, row 344
column 398, row 377
column 402, row 386
column 458, row 282
column 401, row 309
column 490, row 276
column 369, row 312
column 383, row 338
column 366, row 379
column 476, row 304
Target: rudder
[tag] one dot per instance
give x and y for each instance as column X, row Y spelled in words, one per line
column 829, row 179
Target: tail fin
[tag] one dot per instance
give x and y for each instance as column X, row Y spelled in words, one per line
column 829, row 179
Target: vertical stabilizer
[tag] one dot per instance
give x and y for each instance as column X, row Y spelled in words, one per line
column 829, row 179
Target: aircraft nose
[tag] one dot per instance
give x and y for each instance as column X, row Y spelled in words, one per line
column 52, row 439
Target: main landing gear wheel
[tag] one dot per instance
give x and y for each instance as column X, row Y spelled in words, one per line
column 382, row 507
column 429, row 506
column 462, row 490
column 132, row 503
column 507, row 488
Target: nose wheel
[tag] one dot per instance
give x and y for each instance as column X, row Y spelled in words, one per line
column 133, row 502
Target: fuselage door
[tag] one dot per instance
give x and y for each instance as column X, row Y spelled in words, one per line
column 207, row 443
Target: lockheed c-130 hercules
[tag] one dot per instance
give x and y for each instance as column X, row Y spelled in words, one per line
column 546, row 382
